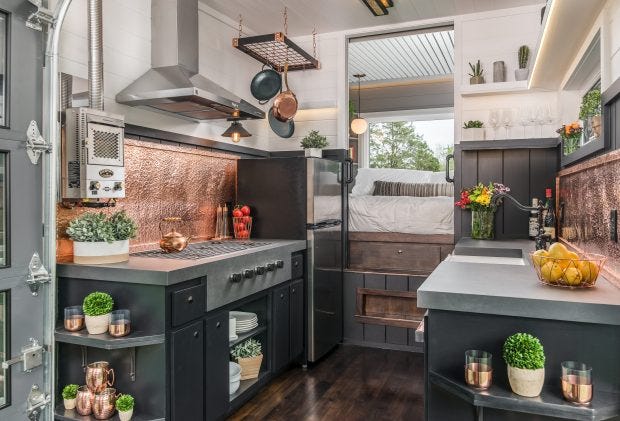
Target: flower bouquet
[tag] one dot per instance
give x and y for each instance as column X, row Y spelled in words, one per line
column 571, row 135
column 479, row 199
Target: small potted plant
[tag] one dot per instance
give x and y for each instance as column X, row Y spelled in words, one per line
column 525, row 357
column 571, row 136
column 98, row 239
column 249, row 356
column 313, row 144
column 97, row 307
column 473, row 130
column 590, row 111
column 124, row 406
column 69, row 394
column 476, row 76
column 523, row 56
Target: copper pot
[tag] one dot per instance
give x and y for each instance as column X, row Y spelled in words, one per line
column 173, row 241
column 84, row 401
column 103, row 404
column 285, row 104
column 98, row 376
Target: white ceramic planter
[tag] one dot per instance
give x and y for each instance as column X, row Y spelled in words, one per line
column 521, row 74
column 314, row 153
column 473, row 134
column 100, row 252
column 528, row 383
column 97, row 325
column 69, row 403
column 125, row 415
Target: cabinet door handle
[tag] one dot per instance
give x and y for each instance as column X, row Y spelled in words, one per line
column 281, row 296
column 196, row 334
column 217, row 325
column 293, row 291
column 190, row 299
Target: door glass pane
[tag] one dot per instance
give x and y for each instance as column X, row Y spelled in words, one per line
column 4, row 309
column 3, row 211
column 3, row 67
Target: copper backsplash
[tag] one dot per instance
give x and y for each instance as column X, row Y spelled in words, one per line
column 589, row 192
column 166, row 180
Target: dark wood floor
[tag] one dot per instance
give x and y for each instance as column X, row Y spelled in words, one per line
column 352, row 383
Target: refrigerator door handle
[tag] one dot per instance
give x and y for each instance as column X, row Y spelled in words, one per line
column 324, row 224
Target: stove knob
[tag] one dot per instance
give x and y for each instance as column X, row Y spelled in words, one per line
column 248, row 273
column 279, row 264
column 271, row 267
column 236, row 277
column 260, row 270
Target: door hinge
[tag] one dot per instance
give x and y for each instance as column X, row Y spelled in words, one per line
column 31, row 356
column 37, row 274
column 37, row 401
column 35, row 144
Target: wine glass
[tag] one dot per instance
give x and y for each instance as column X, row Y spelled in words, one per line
column 494, row 121
column 523, row 119
column 507, row 120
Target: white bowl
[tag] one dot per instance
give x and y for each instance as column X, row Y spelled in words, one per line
column 234, row 372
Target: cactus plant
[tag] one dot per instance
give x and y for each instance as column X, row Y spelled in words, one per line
column 524, row 56
column 476, row 70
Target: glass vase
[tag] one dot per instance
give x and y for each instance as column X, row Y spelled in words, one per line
column 482, row 224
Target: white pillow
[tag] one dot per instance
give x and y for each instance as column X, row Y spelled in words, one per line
column 366, row 177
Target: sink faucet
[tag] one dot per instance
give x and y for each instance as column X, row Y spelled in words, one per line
column 541, row 238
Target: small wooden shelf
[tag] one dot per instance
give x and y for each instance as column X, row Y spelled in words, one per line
column 62, row 414
column 248, row 385
column 104, row 341
column 496, row 88
column 605, row 405
column 247, row 335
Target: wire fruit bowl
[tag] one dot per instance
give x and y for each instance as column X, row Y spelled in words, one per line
column 568, row 272
column 242, row 227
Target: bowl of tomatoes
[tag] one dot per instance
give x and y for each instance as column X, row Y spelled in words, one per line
column 242, row 221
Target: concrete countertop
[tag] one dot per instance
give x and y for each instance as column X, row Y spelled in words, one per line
column 165, row 271
column 513, row 290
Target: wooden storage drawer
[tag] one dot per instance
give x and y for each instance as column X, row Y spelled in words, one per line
column 297, row 266
column 188, row 304
column 394, row 257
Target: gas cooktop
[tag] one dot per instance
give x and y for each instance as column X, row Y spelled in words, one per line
column 203, row 250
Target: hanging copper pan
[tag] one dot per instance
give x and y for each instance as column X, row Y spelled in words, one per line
column 285, row 104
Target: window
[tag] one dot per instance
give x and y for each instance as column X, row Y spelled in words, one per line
column 4, row 256
column 3, row 67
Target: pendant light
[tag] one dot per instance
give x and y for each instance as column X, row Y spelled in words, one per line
column 236, row 131
column 359, row 125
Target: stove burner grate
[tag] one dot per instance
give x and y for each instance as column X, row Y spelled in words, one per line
column 203, row 250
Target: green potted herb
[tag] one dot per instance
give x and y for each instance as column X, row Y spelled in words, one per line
column 476, row 75
column 590, row 110
column 124, row 406
column 98, row 239
column 69, row 394
column 313, row 144
column 97, row 307
column 525, row 357
column 249, row 356
column 473, row 130
column 523, row 56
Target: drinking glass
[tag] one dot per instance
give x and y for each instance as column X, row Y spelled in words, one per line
column 522, row 119
column 507, row 120
column 494, row 121
column 120, row 323
column 74, row 318
column 577, row 382
column 478, row 368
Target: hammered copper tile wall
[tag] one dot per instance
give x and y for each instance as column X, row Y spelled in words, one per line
column 166, row 180
column 589, row 191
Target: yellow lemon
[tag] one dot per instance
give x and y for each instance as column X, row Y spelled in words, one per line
column 589, row 270
column 572, row 276
column 551, row 272
column 558, row 250
column 572, row 255
column 539, row 257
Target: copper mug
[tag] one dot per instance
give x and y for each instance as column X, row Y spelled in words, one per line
column 103, row 403
column 98, row 376
column 84, row 401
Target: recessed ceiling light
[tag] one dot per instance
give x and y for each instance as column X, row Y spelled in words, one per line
column 378, row 7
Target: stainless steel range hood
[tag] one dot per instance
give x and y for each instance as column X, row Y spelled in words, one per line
column 173, row 85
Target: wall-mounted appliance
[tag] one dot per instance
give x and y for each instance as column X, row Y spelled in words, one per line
column 93, row 164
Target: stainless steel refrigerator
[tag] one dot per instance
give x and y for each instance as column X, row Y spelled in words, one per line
column 301, row 198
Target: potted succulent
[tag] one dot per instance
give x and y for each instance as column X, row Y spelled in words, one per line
column 476, row 76
column 473, row 130
column 97, row 307
column 124, row 406
column 249, row 356
column 98, row 239
column 524, row 56
column 69, row 394
column 525, row 357
column 313, row 144
column 590, row 111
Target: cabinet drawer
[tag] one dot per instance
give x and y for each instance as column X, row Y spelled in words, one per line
column 188, row 304
column 392, row 256
column 297, row 266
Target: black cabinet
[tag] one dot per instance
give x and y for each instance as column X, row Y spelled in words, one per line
column 281, row 327
column 216, row 361
column 187, row 372
column 296, row 318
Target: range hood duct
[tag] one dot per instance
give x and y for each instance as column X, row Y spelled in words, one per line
column 173, row 84
column 95, row 55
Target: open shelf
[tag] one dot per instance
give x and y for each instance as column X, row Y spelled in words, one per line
column 105, row 341
column 248, row 385
column 495, row 88
column 533, row 143
column 62, row 414
column 247, row 335
column 605, row 405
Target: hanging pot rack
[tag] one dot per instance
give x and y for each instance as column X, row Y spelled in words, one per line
column 277, row 49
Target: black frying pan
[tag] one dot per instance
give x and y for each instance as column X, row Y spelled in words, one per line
column 266, row 84
column 284, row 129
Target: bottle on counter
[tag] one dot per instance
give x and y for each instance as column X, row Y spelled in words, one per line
column 533, row 227
column 549, row 221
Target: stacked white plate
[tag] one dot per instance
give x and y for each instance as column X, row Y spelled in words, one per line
column 245, row 321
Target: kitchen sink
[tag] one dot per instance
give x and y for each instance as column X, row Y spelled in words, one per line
column 489, row 260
